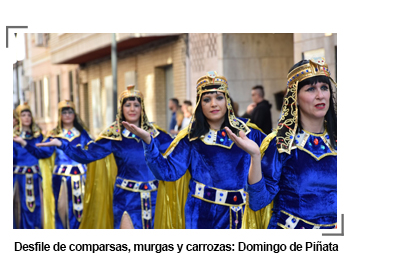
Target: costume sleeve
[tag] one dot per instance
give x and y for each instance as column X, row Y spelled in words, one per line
column 95, row 150
column 163, row 140
column 263, row 192
column 39, row 152
column 173, row 164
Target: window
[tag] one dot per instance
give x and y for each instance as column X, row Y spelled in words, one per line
column 97, row 114
column 71, row 86
column 35, row 98
column 108, row 105
column 58, row 83
column 86, row 103
column 40, row 98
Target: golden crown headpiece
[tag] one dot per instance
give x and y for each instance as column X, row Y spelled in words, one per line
column 22, row 107
column 315, row 67
column 66, row 104
column 211, row 78
column 130, row 92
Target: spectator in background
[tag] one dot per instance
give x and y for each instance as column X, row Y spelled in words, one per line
column 177, row 115
column 259, row 112
column 187, row 113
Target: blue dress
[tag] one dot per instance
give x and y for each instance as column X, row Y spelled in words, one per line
column 135, row 188
column 218, row 170
column 302, row 184
column 69, row 178
column 27, row 178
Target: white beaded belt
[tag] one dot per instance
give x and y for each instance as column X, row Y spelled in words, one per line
column 219, row 196
column 135, row 186
column 67, row 170
column 26, row 169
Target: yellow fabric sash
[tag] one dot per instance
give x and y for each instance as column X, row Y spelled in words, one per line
column 98, row 200
column 46, row 168
column 170, row 205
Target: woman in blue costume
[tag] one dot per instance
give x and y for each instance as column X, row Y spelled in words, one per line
column 135, row 189
column 27, row 178
column 68, row 179
column 218, row 168
column 296, row 165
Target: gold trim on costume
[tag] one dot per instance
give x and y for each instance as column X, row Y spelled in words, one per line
column 288, row 122
column 175, row 142
column 315, row 67
column 114, row 131
column 210, row 79
column 265, row 143
column 58, row 131
column 17, row 130
column 304, row 139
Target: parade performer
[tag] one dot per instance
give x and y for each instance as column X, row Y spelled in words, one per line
column 296, row 165
column 27, row 178
column 131, row 202
column 214, row 197
column 68, row 176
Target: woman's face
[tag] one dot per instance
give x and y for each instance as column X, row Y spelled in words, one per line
column 131, row 111
column 314, row 101
column 67, row 116
column 214, row 106
column 184, row 108
column 26, row 118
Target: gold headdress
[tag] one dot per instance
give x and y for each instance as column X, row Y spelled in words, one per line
column 36, row 131
column 219, row 84
column 114, row 131
column 58, row 132
column 288, row 123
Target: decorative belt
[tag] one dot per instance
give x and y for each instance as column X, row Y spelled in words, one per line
column 69, row 170
column 219, row 196
column 135, row 186
column 288, row 221
column 26, row 169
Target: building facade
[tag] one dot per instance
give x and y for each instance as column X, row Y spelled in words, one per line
column 78, row 67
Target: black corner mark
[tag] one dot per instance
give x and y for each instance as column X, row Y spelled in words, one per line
column 7, row 27
column 337, row 234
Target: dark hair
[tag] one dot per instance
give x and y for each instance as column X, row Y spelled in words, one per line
column 30, row 126
column 200, row 126
column 330, row 117
column 76, row 123
column 261, row 88
column 132, row 98
column 176, row 101
column 187, row 102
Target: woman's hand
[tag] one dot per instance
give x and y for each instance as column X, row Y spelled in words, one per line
column 247, row 145
column 51, row 143
column 143, row 134
column 19, row 140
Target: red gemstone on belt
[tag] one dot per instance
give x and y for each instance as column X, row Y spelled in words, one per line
column 223, row 133
column 75, row 172
column 29, row 170
column 235, row 198
column 145, row 187
column 316, row 141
